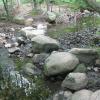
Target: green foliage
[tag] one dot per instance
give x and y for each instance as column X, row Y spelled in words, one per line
column 98, row 33
column 20, row 62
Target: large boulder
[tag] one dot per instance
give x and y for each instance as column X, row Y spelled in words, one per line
column 60, row 62
column 82, row 95
column 62, row 95
column 96, row 95
column 75, row 81
column 87, row 56
column 43, row 43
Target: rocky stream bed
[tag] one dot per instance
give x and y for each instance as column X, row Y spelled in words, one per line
column 70, row 65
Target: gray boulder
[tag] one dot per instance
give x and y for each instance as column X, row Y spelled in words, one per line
column 60, row 62
column 82, row 95
column 87, row 56
column 43, row 43
column 75, row 81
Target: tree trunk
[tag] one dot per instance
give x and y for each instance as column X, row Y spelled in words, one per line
column 5, row 3
column 48, row 6
column 35, row 4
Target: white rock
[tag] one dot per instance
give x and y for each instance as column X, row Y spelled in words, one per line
column 8, row 45
column 42, row 26
column 12, row 29
column 13, row 49
column 31, row 32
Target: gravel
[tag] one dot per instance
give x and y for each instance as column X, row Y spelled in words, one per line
column 82, row 39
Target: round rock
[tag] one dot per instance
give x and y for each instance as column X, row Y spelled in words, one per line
column 60, row 62
column 75, row 81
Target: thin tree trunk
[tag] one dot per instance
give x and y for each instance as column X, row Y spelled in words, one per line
column 6, row 7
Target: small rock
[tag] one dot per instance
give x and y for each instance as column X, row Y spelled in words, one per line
column 12, row 29
column 42, row 26
column 19, row 20
column 89, row 68
column 13, row 49
column 21, row 40
column 8, row 45
column 31, row 69
column 62, row 95
column 75, row 81
column 87, row 56
column 40, row 58
column 97, row 63
column 96, row 69
column 30, row 55
column 80, row 68
column 28, row 22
